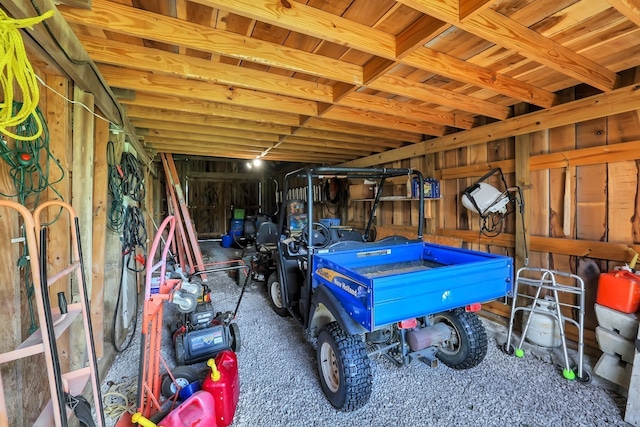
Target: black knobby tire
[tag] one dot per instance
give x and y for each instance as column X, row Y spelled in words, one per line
column 179, row 349
column 234, row 331
column 275, row 296
column 467, row 345
column 184, row 376
column 344, row 368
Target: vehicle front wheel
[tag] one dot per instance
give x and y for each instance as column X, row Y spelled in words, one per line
column 344, row 368
column 275, row 296
column 467, row 345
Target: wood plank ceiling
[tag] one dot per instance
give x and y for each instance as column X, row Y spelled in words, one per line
column 332, row 81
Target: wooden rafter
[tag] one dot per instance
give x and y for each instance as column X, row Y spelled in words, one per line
column 510, row 34
column 618, row 101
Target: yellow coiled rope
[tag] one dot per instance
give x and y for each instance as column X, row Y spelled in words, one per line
column 15, row 70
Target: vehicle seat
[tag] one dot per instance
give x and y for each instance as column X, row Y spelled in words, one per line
column 348, row 235
column 267, row 237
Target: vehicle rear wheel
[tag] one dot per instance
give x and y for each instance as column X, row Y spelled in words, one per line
column 344, row 368
column 275, row 296
column 467, row 345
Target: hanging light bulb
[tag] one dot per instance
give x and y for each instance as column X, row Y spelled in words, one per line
column 257, row 162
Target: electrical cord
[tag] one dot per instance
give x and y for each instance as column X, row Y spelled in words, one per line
column 120, row 347
column 16, row 71
column 134, row 232
column 114, row 175
column 30, row 160
column 133, row 178
column 134, row 235
column 88, row 63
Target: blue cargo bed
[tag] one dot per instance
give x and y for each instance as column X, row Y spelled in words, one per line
column 381, row 283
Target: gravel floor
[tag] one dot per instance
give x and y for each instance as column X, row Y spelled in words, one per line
column 279, row 383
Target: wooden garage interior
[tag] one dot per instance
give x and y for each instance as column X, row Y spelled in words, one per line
column 546, row 90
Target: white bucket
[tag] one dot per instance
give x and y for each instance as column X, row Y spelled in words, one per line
column 543, row 329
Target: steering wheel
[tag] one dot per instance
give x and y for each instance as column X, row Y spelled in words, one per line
column 320, row 237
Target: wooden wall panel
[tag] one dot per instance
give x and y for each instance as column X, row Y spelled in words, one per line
column 539, row 200
column 99, row 229
column 591, row 210
column 58, row 116
column 449, row 191
column 475, row 154
column 82, row 190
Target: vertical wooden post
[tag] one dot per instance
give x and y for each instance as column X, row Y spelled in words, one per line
column 523, row 180
column 58, row 116
column 82, row 190
column 99, row 227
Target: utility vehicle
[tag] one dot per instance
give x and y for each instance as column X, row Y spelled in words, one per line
column 405, row 299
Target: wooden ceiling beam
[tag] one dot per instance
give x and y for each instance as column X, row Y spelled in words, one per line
column 314, row 22
column 213, row 142
column 146, row 127
column 386, row 121
column 311, row 21
column 465, row 72
column 216, row 142
column 628, row 8
column 198, row 150
column 503, row 31
column 435, row 95
column 166, row 85
column 303, row 157
column 164, row 115
column 153, row 26
column 333, row 145
column 291, row 146
column 468, row 8
column 336, row 136
column 602, row 105
column 423, row 30
column 364, row 131
column 407, row 110
column 196, row 106
column 235, row 138
column 113, row 52
column 158, row 61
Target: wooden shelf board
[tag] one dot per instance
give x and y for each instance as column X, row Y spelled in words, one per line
column 33, row 344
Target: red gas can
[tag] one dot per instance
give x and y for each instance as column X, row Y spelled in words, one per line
column 224, row 385
column 196, row 411
column 619, row 290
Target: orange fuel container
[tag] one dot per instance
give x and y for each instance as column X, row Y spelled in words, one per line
column 619, row 290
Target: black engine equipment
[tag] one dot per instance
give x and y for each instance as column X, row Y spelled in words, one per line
column 201, row 333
